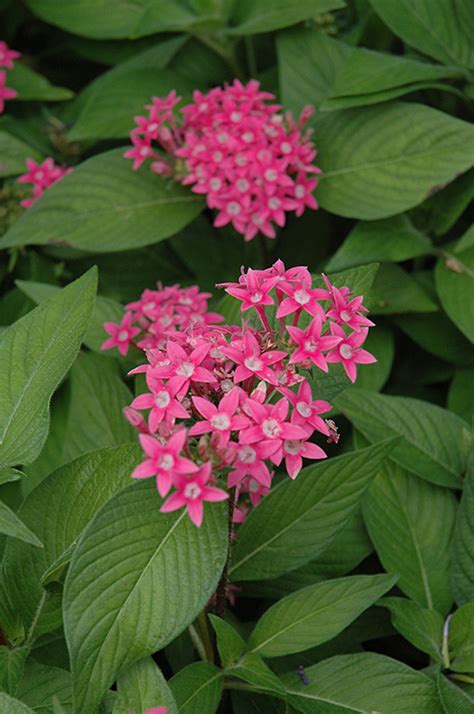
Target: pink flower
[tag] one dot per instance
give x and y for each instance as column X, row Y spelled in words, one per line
column 249, row 460
column 7, row 55
column 301, row 297
column 219, row 420
column 41, row 176
column 157, row 710
column 269, row 423
column 251, row 361
column 310, row 344
column 306, row 410
column 120, row 335
column 5, row 92
column 185, row 368
column 254, row 293
column 161, row 402
column 346, row 311
column 163, row 460
column 293, row 451
column 348, row 350
column 255, row 490
column 191, row 491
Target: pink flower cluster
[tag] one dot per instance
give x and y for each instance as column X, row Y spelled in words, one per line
column 157, row 313
column 253, row 163
column 226, row 404
column 41, row 176
column 6, row 60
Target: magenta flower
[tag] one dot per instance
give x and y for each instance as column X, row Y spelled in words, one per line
column 348, row 350
column 219, row 420
column 306, row 410
column 301, row 297
column 120, row 335
column 347, row 311
column 157, row 710
column 254, row 293
column 269, row 423
column 185, row 368
column 311, row 344
column 7, row 55
column 163, row 460
column 161, row 402
column 191, row 491
column 250, row 461
column 251, row 361
column 41, row 176
column 5, row 92
column 293, row 451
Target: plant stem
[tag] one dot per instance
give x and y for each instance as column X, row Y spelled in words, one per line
column 221, row 592
column 197, row 642
column 205, row 635
column 251, row 58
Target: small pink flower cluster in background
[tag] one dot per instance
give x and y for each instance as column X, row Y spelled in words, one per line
column 227, row 404
column 41, row 176
column 6, row 61
column 253, row 163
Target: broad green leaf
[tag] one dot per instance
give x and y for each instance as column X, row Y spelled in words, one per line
column 251, row 703
column 41, row 685
column 460, row 395
column 108, row 112
column 13, row 153
column 142, row 686
column 422, row 627
column 10, row 474
column 381, row 343
column 311, row 81
column 58, row 510
column 110, row 619
column 41, row 346
column 455, row 285
column 439, row 28
column 300, row 518
column 454, row 699
column 30, row 85
column 461, row 639
column 14, row 527
column 12, row 663
column 390, row 239
column 197, row 688
column 13, row 706
column 434, row 443
column 104, row 206
column 115, row 18
column 363, row 152
column 253, row 16
column 462, row 555
column 445, row 207
column 365, row 683
column 230, row 644
column 316, row 614
column 396, row 291
column 435, row 333
column 410, row 522
column 105, row 310
column 358, row 279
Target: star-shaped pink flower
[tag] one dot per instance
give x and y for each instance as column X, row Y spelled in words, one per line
column 163, row 460
column 120, row 335
column 191, row 491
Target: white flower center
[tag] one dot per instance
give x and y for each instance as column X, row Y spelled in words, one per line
column 300, row 191
column 345, row 316
column 247, row 137
column 345, row 351
column 39, row 175
column 221, row 422
column 271, row 428
column 302, row 297
column 304, row 409
column 271, row 175
column 166, row 462
column 152, row 127
column 254, row 486
column 254, row 364
column 310, row 346
column 236, row 116
column 192, row 491
column 149, row 306
column 286, row 148
column 257, row 220
column 215, row 184
column 162, row 399
column 186, row 369
column 217, row 156
column 241, row 160
column 247, row 455
column 233, row 208
column 144, row 151
column 274, row 203
column 293, row 447
column 123, row 336
column 256, row 297
column 243, row 185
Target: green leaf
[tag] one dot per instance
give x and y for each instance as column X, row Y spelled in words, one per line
column 358, row 279
column 42, row 685
column 13, row 154
column 10, row 474
column 454, row 699
column 142, row 686
column 362, row 152
column 422, row 627
column 12, row 526
column 12, row 663
column 445, row 207
column 253, row 16
column 396, row 291
column 390, row 239
column 251, row 703
column 58, row 511
column 42, row 346
column 460, row 395
column 13, row 706
column 104, row 206
column 109, row 110
column 435, row 333
column 299, row 519
column 462, row 555
column 455, row 285
column 110, row 619
column 434, row 443
column 364, row 683
column 316, row 614
column 439, row 28
column 312, row 80
column 410, row 523
column 33, row 86
column 461, row 639
column 381, row 343
column 230, row 644
column 197, row 688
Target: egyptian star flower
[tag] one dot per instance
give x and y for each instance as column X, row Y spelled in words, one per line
column 349, row 351
column 121, row 335
column 163, row 460
column 221, row 419
column 191, row 491
column 311, row 344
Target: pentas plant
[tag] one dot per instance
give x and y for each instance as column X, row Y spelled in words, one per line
column 226, row 405
column 233, row 145
column 6, row 62
column 41, row 175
